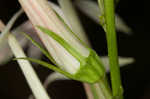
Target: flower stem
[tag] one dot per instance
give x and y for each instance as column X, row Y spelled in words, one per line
column 101, row 90
column 112, row 48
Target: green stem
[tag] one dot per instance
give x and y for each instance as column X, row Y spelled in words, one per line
column 112, row 48
column 101, row 90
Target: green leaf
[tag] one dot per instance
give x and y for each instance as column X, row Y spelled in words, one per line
column 61, row 41
column 44, row 51
column 45, row 64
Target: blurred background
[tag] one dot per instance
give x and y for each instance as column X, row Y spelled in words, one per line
column 135, row 77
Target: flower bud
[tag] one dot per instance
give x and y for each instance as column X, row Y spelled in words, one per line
column 69, row 53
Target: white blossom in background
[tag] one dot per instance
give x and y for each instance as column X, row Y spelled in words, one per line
column 26, row 27
column 29, row 73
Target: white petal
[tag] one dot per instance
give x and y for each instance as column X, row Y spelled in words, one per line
column 59, row 11
column 34, row 52
column 122, row 61
column 41, row 14
column 5, row 52
column 53, row 77
column 27, row 69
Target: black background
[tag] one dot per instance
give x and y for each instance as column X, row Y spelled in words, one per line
column 135, row 77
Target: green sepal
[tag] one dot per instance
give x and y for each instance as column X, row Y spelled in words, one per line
column 43, row 50
column 91, row 69
column 61, row 41
column 45, row 64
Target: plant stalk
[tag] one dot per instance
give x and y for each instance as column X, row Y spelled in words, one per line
column 101, row 90
column 117, row 89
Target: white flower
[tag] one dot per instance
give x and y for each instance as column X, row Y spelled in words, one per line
column 41, row 14
column 65, row 47
column 77, row 59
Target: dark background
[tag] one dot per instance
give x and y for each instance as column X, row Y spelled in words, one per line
column 135, row 77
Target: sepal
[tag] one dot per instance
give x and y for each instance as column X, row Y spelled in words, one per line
column 91, row 69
